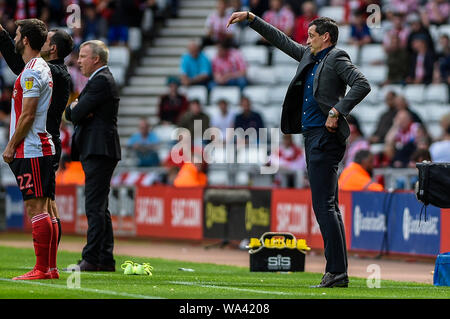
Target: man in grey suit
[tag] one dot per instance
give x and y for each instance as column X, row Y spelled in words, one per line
column 316, row 106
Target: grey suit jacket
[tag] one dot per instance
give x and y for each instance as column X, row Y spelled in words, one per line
column 333, row 74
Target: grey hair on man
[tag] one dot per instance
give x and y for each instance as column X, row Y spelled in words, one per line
column 99, row 49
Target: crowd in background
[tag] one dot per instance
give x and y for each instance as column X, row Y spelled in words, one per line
column 413, row 57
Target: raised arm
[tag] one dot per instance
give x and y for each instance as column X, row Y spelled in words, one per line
column 13, row 59
column 270, row 33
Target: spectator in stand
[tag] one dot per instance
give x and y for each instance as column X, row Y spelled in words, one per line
column 144, row 144
column 360, row 32
column 229, row 67
column 436, row 12
column 216, row 25
column 119, row 21
column 195, row 66
column 356, row 141
column 358, row 175
column 192, row 174
column 386, row 119
column 280, row 16
column 78, row 80
column 444, row 59
column 5, row 107
column 258, row 7
column 290, row 157
column 224, row 119
column 401, row 140
column 440, row 150
column 397, row 63
column 195, row 113
column 65, row 132
column 302, row 22
column 70, row 172
column 404, row 6
column 248, row 118
column 172, row 105
column 94, row 25
column 418, row 29
column 398, row 29
column 422, row 62
column 401, row 103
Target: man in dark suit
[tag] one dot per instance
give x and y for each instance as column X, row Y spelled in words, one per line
column 316, row 106
column 96, row 144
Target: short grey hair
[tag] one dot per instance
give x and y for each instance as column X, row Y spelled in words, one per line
column 98, row 48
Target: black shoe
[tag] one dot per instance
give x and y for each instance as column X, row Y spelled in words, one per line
column 110, row 268
column 330, row 280
column 87, row 266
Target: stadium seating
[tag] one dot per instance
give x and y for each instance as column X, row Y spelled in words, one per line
column 374, row 73
column 119, row 56
column 249, row 36
column 334, row 12
column 258, row 94
column 261, row 75
column 352, row 51
column 285, row 73
column 277, row 94
column 230, row 93
column 254, row 54
column 372, row 53
column 134, row 38
column 414, row 93
column 118, row 74
column 279, row 57
column 437, row 93
column 198, row 92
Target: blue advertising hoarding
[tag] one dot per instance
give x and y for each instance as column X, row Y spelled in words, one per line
column 408, row 232
column 398, row 214
column 14, row 208
column 369, row 220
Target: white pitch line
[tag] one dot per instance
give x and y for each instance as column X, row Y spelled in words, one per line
column 98, row 291
column 187, row 283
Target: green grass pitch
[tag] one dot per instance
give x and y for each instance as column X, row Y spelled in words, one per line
column 208, row 281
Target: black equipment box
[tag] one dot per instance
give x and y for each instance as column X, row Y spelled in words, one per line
column 277, row 252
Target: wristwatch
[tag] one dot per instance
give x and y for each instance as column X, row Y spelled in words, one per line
column 332, row 114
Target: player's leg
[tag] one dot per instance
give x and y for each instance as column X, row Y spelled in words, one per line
column 36, row 205
column 42, row 232
column 55, row 163
column 52, row 264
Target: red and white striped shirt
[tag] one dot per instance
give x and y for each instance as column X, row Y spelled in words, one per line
column 233, row 62
column 34, row 81
column 283, row 19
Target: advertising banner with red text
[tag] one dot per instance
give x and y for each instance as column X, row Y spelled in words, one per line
column 290, row 212
column 66, row 201
column 168, row 212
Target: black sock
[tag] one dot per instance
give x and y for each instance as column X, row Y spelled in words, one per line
column 59, row 230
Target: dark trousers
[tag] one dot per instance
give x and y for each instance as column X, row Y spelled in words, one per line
column 323, row 154
column 98, row 171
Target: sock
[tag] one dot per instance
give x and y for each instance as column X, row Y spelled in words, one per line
column 53, row 245
column 42, row 235
column 59, row 230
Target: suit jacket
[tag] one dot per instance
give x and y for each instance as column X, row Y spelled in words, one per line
column 95, row 118
column 333, row 74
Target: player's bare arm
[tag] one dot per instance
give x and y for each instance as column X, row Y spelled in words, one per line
column 24, row 124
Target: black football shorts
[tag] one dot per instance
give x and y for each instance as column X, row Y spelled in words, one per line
column 35, row 176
